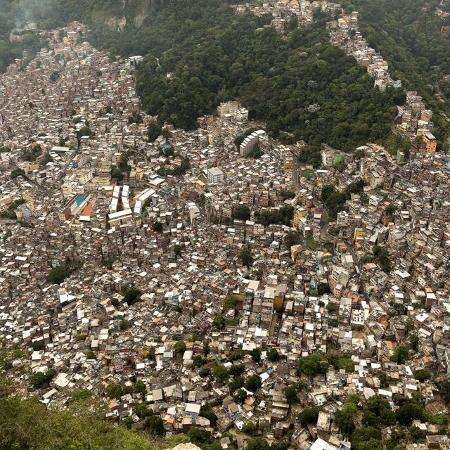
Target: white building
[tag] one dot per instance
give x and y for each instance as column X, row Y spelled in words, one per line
column 215, row 175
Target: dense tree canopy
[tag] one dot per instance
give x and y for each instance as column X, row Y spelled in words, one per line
column 412, row 38
column 217, row 56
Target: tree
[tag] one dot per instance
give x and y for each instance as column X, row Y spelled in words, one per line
column 311, row 156
column 253, row 383
column 245, row 255
column 135, row 117
column 409, row 411
column 241, row 212
column 155, row 425
column 309, row 415
column 249, row 428
column 257, row 444
column 157, row 226
column 422, row 375
column 256, row 355
column 237, row 370
column 207, row 412
column 313, row 364
column 255, row 152
column 400, row 354
column 142, row 411
column 231, row 302
column 345, row 418
column 390, row 209
column 179, row 347
column 199, row 436
column 58, row 274
column 286, row 194
column 291, row 394
column 17, row 172
column 124, row 325
column 139, row 387
column 378, row 412
column 116, row 173
column 198, row 361
column 131, row 294
column 220, row 373
column 114, row 390
column 235, row 384
column 414, row 342
column 367, row 438
column 240, row 396
column 177, row 250
column 293, row 238
column 381, row 255
column 153, row 131
column 444, row 390
column 273, row 355
column 219, row 322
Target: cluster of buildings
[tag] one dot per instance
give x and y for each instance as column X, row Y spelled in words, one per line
column 174, row 239
column 288, row 12
column 414, row 120
column 344, row 33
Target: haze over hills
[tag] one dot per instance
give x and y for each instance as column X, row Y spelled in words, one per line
column 224, row 223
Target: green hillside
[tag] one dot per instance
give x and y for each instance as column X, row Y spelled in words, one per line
column 413, row 36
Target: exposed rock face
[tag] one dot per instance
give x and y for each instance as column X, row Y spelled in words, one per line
column 135, row 11
column 186, row 447
column 117, row 23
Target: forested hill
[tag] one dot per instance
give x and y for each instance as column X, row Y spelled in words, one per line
column 414, row 37
column 200, row 53
column 301, row 85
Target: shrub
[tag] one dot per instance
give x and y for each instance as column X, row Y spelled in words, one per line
column 80, row 394
column 41, row 379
